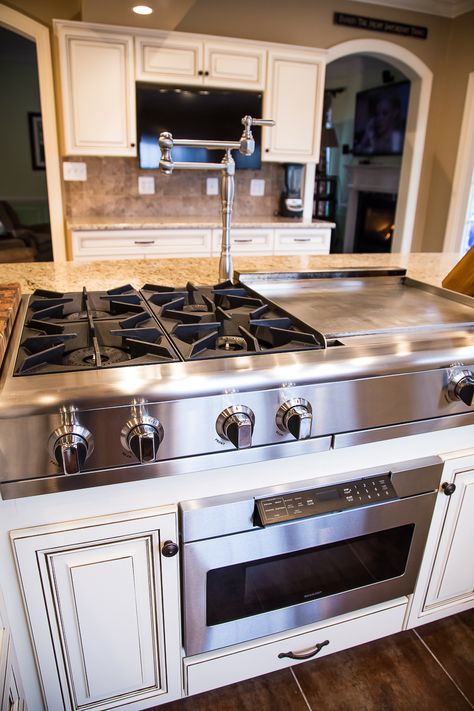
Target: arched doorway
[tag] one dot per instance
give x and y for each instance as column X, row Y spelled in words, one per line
column 20, row 24
column 421, row 79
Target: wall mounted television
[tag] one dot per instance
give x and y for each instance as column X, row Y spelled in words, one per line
column 197, row 113
column 380, row 120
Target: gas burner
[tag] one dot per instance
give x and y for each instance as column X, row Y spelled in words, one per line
column 225, row 320
column 87, row 357
column 231, row 343
column 93, row 342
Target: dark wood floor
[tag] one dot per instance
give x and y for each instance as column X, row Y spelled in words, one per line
column 426, row 669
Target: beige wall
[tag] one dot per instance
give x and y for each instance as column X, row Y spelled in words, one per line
column 448, row 51
column 447, row 105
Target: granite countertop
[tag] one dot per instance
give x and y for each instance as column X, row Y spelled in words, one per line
column 89, row 222
column 68, row 276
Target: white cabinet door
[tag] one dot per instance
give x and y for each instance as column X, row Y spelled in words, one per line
column 294, row 99
column 452, row 579
column 98, row 92
column 103, row 601
column 13, row 695
column 234, row 65
column 174, row 58
column 166, row 58
column 446, row 580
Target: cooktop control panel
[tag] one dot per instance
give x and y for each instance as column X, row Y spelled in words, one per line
column 327, row 499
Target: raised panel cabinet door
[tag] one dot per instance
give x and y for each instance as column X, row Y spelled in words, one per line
column 234, row 65
column 110, row 604
column 169, row 60
column 453, row 572
column 293, row 99
column 98, row 92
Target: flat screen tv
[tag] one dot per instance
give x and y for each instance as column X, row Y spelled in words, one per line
column 380, row 120
column 197, row 113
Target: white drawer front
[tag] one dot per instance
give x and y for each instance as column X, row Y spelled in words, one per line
column 203, row 674
column 251, row 241
column 113, row 244
column 299, row 240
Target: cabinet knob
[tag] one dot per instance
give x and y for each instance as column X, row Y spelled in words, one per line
column 132, row 145
column 206, row 73
column 169, row 549
column 200, row 72
column 448, row 488
column 267, row 150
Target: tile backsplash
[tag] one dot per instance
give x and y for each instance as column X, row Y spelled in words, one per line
column 111, row 190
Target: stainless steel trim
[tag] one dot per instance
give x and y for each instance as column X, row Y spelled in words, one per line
column 57, row 482
column 378, row 434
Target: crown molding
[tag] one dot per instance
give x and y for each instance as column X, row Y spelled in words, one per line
column 444, row 8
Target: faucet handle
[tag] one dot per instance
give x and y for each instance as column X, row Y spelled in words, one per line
column 166, row 145
column 262, row 122
column 247, row 142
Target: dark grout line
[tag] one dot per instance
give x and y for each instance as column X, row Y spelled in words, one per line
column 301, row 690
column 443, row 668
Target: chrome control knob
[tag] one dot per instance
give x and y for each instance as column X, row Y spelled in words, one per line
column 461, row 384
column 142, row 437
column 296, row 417
column 70, row 446
column 236, row 424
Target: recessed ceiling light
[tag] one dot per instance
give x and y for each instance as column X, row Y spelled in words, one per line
column 142, row 9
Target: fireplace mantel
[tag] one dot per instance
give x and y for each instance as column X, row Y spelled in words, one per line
column 366, row 177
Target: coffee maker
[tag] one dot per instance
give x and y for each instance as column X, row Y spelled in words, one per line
column 291, row 202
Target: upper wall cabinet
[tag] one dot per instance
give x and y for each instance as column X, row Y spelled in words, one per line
column 294, row 99
column 98, row 91
column 174, row 58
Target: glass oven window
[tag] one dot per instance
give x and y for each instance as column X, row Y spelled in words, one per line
column 257, row 586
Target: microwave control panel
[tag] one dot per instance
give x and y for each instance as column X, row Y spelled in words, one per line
column 327, row 499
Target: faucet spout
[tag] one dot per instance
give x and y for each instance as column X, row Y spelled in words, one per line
column 246, row 146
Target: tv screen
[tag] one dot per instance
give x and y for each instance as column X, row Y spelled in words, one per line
column 196, row 113
column 380, row 120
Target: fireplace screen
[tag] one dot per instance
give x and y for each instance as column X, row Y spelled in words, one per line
column 375, row 222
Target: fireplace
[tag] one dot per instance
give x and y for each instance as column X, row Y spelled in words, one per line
column 371, row 203
column 374, row 222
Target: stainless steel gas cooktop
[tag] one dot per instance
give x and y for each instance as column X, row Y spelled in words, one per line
column 125, row 384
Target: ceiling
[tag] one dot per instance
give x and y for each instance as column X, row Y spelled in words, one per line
column 445, row 8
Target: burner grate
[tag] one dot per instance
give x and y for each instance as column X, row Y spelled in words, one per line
column 90, row 338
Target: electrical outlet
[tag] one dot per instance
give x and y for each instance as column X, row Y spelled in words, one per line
column 146, row 185
column 74, row 170
column 212, row 186
column 257, row 187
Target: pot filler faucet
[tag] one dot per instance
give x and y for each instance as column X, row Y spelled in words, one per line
column 246, row 146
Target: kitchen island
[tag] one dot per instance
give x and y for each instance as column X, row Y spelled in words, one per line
column 68, row 276
column 90, row 575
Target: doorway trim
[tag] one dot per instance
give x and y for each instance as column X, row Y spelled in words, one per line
column 463, row 175
column 39, row 34
column 421, row 78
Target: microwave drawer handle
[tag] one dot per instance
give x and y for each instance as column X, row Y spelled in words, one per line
column 308, row 655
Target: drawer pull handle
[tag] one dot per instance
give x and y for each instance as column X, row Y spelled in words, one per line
column 241, row 241
column 144, row 241
column 302, row 239
column 307, row 655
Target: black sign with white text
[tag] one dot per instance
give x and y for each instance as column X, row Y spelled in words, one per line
column 372, row 23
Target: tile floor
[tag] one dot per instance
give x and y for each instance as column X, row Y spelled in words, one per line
column 427, row 669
